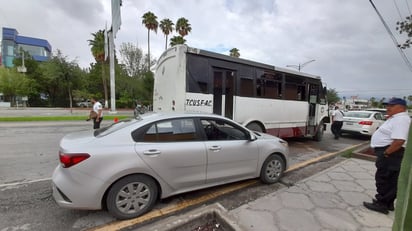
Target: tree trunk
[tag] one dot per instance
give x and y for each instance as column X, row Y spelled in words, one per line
column 148, row 50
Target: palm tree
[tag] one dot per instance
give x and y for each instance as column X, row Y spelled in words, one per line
column 183, row 27
column 97, row 48
column 167, row 27
column 234, row 52
column 150, row 21
column 177, row 40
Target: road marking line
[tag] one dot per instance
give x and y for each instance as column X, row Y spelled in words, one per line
column 24, row 182
column 117, row 225
column 319, row 158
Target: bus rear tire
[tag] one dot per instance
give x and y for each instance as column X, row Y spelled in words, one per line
column 319, row 133
column 255, row 127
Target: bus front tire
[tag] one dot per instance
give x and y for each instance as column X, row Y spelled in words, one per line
column 319, row 133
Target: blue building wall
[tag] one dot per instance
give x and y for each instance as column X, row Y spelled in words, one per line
column 39, row 49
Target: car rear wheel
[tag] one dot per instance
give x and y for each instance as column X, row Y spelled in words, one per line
column 131, row 196
column 272, row 169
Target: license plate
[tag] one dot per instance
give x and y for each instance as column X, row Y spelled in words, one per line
column 349, row 123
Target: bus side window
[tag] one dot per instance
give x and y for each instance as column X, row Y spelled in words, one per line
column 291, row 92
column 301, row 93
column 246, row 87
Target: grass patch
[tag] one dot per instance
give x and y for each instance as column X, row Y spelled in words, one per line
column 56, row 118
column 347, row 153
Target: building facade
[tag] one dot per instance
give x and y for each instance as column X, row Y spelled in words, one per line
column 13, row 43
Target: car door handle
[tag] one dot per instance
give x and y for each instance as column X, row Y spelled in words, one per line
column 151, row 152
column 215, row 148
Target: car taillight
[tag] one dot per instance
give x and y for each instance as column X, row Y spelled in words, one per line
column 366, row 123
column 69, row 159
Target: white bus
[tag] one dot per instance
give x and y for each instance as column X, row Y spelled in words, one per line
column 278, row 101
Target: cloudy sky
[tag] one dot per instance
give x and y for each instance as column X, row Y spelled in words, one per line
column 354, row 52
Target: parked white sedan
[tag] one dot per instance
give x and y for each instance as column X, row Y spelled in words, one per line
column 129, row 165
column 362, row 122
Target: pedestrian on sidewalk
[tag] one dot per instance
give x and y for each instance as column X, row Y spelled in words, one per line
column 337, row 122
column 389, row 143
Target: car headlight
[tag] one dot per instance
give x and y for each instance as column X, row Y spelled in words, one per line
column 283, row 142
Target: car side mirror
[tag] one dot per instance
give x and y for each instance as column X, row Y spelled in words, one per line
column 252, row 136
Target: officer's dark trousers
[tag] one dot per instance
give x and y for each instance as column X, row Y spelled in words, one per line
column 386, row 176
column 336, row 128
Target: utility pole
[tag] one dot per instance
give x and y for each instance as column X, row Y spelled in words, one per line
column 300, row 66
column 111, row 34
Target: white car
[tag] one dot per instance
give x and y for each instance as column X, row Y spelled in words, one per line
column 129, row 165
column 381, row 110
column 362, row 122
column 86, row 103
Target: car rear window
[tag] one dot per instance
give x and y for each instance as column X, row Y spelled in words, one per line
column 113, row 127
column 358, row 114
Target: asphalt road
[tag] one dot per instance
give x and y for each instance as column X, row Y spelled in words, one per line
column 29, row 154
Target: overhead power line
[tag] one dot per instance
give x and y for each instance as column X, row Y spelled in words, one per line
column 407, row 5
column 408, row 63
column 397, row 9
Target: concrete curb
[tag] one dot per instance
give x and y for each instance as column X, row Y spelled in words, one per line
column 194, row 219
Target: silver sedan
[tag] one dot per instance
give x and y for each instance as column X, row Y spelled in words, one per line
column 128, row 166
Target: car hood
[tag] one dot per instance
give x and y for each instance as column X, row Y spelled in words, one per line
column 265, row 136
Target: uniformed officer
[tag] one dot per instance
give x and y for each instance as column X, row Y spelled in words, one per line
column 389, row 143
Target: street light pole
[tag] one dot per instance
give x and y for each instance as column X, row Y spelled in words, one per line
column 300, row 66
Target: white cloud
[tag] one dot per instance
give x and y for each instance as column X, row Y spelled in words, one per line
column 354, row 53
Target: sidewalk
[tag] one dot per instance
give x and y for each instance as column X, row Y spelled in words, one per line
column 330, row 200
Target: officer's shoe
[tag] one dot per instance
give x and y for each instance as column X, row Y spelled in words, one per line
column 376, row 207
column 389, row 207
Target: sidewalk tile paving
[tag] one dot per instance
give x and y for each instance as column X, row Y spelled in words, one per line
column 330, row 200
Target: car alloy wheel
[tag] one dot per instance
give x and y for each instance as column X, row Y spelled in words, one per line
column 272, row 169
column 131, row 196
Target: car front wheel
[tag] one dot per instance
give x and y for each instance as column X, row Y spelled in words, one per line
column 272, row 169
column 131, row 196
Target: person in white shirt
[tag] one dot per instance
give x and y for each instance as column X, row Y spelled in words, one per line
column 337, row 122
column 98, row 108
column 389, row 143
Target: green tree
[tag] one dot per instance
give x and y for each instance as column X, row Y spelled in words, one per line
column 373, row 102
column 166, row 25
column 14, row 84
column 97, row 48
column 405, row 26
column 234, row 52
column 332, row 96
column 62, row 76
column 176, row 40
column 133, row 59
column 183, row 27
column 150, row 21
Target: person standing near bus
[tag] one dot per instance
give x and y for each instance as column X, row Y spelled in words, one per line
column 389, row 143
column 337, row 122
column 98, row 109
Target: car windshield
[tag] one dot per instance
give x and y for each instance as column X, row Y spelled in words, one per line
column 114, row 127
column 358, row 114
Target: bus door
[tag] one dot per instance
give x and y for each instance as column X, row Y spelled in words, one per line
column 223, row 90
column 313, row 99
